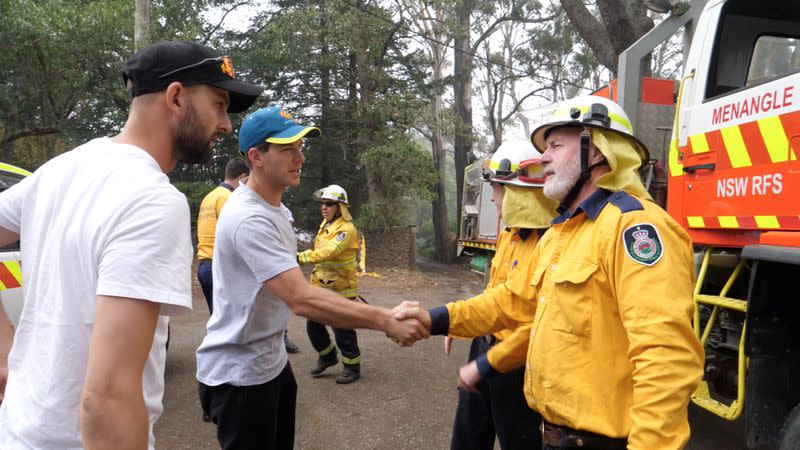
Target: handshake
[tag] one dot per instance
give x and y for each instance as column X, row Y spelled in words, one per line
column 408, row 323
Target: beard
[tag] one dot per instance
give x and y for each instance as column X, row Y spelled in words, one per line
column 559, row 184
column 189, row 143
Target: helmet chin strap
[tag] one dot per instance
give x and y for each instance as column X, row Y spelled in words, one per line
column 586, row 172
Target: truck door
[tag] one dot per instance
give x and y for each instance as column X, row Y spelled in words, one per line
column 741, row 125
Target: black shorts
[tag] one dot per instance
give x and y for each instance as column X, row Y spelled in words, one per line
column 253, row 417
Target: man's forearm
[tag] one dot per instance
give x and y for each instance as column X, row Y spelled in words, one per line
column 6, row 337
column 7, row 237
column 325, row 306
column 510, row 353
column 493, row 310
column 113, row 412
column 118, row 421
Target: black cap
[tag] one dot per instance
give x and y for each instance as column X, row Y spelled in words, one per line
column 153, row 68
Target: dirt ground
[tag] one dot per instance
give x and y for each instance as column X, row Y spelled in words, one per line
column 404, row 400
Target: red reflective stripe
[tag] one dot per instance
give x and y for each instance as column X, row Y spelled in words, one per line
column 755, row 143
column 747, row 222
column 711, row 222
column 791, row 124
column 717, row 145
column 7, row 278
column 789, row 222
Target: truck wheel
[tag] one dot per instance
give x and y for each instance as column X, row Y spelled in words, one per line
column 790, row 433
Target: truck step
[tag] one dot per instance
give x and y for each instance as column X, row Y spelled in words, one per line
column 724, row 302
column 703, row 399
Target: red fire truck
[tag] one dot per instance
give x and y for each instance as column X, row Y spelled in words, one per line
column 733, row 181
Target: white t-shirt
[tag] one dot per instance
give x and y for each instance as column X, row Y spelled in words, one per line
column 101, row 219
column 288, row 213
column 254, row 243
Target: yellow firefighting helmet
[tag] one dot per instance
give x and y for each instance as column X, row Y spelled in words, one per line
column 515, row 162
column 332, row 193
column 590, row 111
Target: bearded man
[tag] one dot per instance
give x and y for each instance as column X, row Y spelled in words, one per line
column 108, row 256
column 611, row 358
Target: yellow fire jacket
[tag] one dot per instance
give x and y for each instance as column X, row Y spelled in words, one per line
column 207, row 219
column 334, row 256
column 513, row 254
column 611, row 349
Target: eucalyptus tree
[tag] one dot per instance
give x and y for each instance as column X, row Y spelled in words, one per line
column 345, row 66
column 428, row 20
column 539, row 63
column 60, row 81
column 141, row 24
column 482, row 18
column 609, row 26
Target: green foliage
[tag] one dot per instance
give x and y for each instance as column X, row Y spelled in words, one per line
column 62, row 73
column 405, row 171
column 60, row 82
column 360, row 70
column 305, row 53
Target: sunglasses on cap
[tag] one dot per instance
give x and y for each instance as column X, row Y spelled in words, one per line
column 531, row 171
column 330, row 203
column 528, row 171
column 226, row 66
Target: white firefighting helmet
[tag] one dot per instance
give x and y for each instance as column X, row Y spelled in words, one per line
column 515, row 162
column 589, row 111
column 332, row 193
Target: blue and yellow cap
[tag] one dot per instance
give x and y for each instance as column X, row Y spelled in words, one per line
column 272, row 125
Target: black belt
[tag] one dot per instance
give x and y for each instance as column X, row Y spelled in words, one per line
column 564, row 437
column 203, row 260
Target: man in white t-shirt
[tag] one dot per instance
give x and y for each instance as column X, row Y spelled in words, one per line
column 291, row 347
column 245, row 380
column 107, row 251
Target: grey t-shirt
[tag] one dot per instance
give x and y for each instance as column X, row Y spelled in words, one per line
column 254, row 243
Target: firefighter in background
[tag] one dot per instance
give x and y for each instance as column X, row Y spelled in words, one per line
column 497, row 407
column 335, row 266
column 210, row 207
column 611, row 355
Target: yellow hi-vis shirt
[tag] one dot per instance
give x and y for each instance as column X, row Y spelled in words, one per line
column 611, row 349
column 207, row 219
column 513, row 254
column 334, row 256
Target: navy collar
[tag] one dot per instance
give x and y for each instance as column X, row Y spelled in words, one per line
column 226, row 186
column 591, row 206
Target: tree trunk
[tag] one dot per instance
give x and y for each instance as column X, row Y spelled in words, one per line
column 462, row 97
column 627, row 19
column 325, row 98
column 445, row 252
column 439, row 203
column 593, row 32
column 366, row 89
column 141, row 24
column 615, row 18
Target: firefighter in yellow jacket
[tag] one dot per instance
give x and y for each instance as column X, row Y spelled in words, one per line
column 335, row 265
column 611, row 355
column 497, row 409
